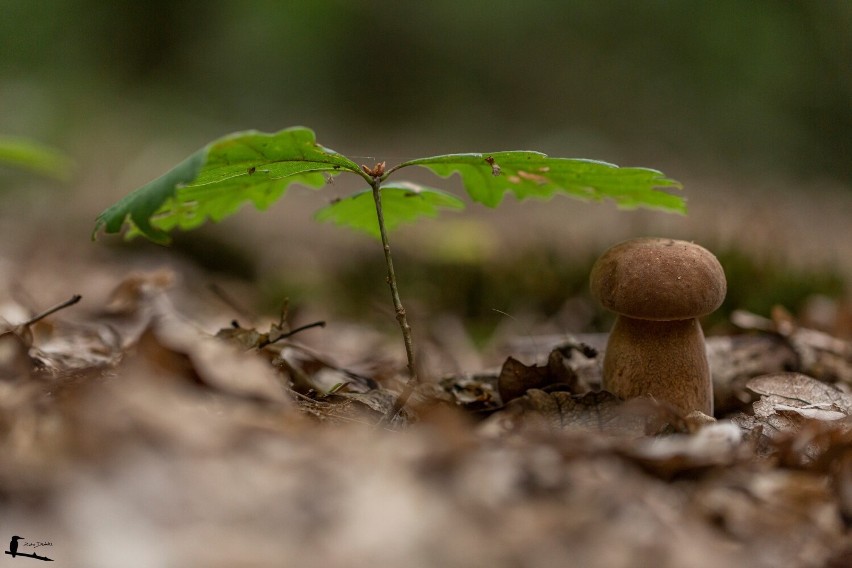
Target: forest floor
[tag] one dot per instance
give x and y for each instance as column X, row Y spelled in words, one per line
column 141, row 427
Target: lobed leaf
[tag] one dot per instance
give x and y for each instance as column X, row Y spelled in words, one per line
column 402, row 202
column 487, row 177
column 219, row 179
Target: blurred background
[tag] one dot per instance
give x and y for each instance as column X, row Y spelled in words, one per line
column 747, row 103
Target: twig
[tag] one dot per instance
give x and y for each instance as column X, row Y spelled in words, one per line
column 29, row 554
column 70, row 302
column 292, row 332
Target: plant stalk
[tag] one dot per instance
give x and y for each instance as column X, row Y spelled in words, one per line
column 402, row 399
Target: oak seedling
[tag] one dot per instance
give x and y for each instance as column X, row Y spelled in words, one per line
column 258, row 168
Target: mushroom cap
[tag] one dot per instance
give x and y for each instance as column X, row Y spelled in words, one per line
column 658, row 279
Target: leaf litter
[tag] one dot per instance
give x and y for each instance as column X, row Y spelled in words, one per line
column 134, row 431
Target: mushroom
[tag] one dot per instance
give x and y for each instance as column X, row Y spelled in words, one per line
column 659, row 287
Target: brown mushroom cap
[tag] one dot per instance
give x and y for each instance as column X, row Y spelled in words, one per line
column 658, row 279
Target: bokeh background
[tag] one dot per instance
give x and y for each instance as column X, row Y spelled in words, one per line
column 748, row 103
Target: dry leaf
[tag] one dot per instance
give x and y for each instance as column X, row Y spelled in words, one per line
column 787, row 519
column 207, row 360
column 474, row 391
column 105, row 458
column 714, row 445
column 311, row 374
column 798, row 419
column 15, row 362
column 801, row 391
column 817, row 353
column 561, row 411
column 516, row 378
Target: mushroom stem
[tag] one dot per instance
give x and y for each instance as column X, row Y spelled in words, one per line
column 664, row 359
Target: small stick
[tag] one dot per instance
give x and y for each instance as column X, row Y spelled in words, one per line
column 293, row 332
column 70, row 302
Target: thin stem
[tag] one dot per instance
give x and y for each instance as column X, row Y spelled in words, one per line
column 399, row 403
column 293, row 332
column 70, row 302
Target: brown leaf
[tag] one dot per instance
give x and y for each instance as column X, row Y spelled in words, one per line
column 54, row 346
column 133, row 293
column 516, row 378
column 797, row 419
column 373, row 404
column 736, row 359
column 134, row 302
column 15, row 362
column 203, row 359
column 787, row 518
column 843, row 483
column 595, row 411
column 797, row 391
column 310, row 373
column 716, row 444
column 248, row 338
column 76, row 346
column 817, row 353
column 23, row 332
column 474, row 391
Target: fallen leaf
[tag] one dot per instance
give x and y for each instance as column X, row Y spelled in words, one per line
column 801, row 391
column 516, row 378
column 788, row 518
column 843, row 482
column 714, row 445
column 310, row 373
column 15, row 362
column 474, row 391
column 817, row 353
column 133, row 303
column 133, row 293
column 207, row 360
column 596, row 411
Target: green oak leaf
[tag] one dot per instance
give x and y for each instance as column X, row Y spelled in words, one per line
column 34, row 157
column 402, row 202
column 219, row 179
column 487, row 177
